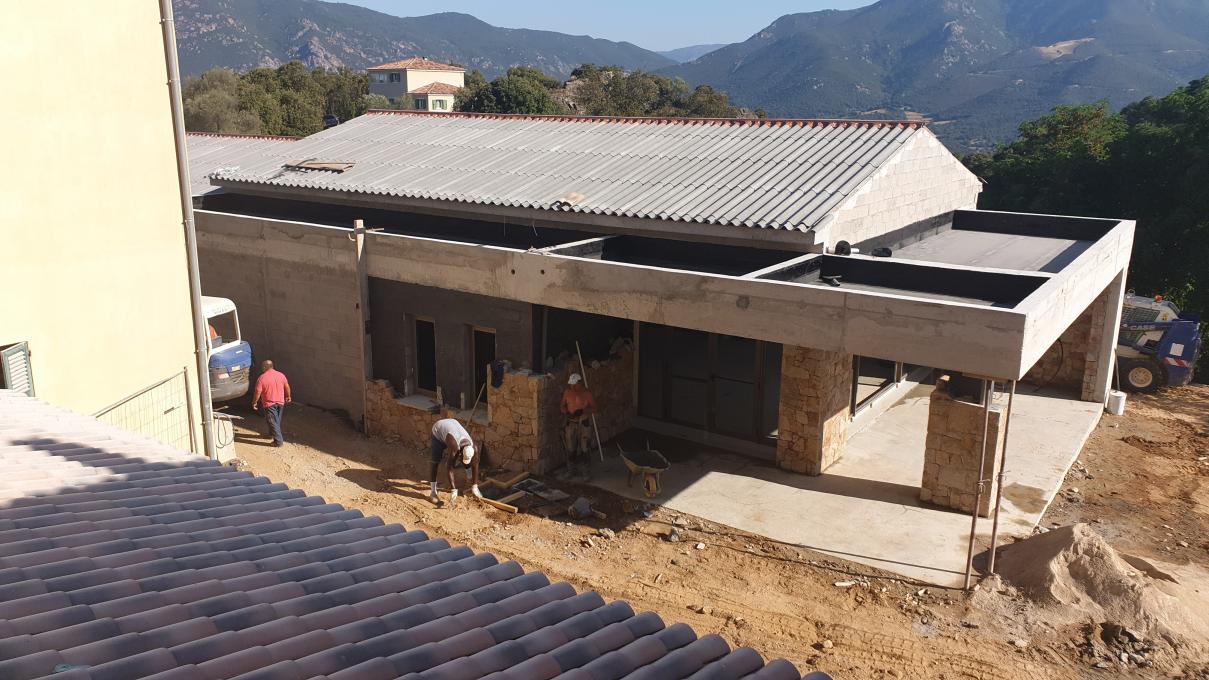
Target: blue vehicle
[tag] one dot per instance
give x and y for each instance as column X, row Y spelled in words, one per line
column 1158, row 344
column 230, row 361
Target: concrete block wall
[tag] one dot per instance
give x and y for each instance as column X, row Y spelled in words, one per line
column 1071, row 362
column 816, row 393
column 297, row 298
column 921, row 181
column 954, row 448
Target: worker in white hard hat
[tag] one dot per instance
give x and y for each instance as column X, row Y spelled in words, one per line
column 452, row 444
column 577, row 407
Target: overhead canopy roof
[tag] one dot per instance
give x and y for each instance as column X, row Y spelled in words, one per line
column 210, row 151
column 769, row 174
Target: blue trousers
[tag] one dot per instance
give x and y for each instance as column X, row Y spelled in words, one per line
column 272, row 416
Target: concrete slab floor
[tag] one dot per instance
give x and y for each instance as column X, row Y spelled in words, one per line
column 866, row 507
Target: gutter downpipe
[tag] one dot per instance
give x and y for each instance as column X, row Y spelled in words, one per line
column 168, row 26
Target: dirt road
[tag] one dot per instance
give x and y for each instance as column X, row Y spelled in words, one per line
column 1139, row 474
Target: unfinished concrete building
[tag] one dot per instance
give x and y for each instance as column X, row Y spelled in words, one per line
column 765, row 287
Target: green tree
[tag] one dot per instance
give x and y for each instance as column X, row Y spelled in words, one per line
column 613, row 91
column 1149, row 163
column 535, row 75
column 512, row 94
column 473, row 87
column 212, row 104
column 266, row 105
column 301, row 115
column 374, row 101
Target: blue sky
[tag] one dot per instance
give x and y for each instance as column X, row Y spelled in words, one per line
column 653, row 24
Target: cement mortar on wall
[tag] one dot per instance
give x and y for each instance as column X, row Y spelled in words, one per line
column 816, row 392
column 522, row 426
column 954, row 449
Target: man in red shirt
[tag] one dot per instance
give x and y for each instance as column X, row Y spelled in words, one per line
column 273, row 393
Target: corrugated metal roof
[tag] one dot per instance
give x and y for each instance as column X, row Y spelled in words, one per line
column 775, row 174
column 123, row 558
column 210, row 151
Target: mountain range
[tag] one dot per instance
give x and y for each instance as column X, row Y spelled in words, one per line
column 691, row 52
column 245, row 34
column 976, row 68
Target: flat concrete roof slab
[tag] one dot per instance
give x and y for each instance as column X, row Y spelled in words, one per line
column 866, row 508
column 997, row 250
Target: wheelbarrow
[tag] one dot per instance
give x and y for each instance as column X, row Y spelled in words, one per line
column 648, row 464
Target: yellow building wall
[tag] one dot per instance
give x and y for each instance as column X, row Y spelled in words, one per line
column 92, row 252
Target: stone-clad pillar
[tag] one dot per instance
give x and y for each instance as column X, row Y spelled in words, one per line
column 954, row 447
column 816, row 393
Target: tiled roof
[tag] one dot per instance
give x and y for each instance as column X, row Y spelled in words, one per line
column 209, row 151
column 436, row 88
column 775, row 174
column 415, row 63
column 122, row 558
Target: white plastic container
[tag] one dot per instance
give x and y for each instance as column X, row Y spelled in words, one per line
column 1116, row 402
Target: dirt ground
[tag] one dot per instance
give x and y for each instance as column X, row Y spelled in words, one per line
column 1143, row 481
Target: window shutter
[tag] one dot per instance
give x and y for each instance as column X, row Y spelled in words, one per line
column 15, row 368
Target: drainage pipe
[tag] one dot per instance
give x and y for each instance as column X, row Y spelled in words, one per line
column 200, row 336
column 987, row 392
column 1007, row 423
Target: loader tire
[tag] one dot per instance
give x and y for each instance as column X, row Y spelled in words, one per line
column 1141, row 375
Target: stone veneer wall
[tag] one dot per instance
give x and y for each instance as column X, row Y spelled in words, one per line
column 522, row 426
column 952, row 454
column 1071, row 361
column 816, row 391
column 612, row 384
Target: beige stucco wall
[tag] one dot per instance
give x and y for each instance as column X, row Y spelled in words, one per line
column 415, row 79
column 412, row 79
column 921, row 181
column 94, row 269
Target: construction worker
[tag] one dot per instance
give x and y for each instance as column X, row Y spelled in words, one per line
column 452, row 443
column 577, row 406
column 273, row 393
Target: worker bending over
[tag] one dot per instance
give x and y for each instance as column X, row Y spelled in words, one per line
column 452, row 444
column 577, row 407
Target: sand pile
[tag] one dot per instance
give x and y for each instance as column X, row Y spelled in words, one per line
column 1082, row 577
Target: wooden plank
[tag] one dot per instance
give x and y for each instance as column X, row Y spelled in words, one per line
column 500, row 506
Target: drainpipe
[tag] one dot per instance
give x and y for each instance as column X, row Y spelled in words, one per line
column 182, row 170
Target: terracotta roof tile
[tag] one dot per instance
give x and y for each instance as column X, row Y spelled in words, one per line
column 436, row 88
column 417, row 64
column 227, row 575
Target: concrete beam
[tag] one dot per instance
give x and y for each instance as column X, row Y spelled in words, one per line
column 902, row 328
column 1099, row 379
column 952, row 335
column 1054, row 306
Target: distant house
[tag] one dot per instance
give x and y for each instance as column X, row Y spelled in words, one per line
column 431, row 85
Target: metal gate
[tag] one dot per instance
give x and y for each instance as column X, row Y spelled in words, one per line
column 162, row 411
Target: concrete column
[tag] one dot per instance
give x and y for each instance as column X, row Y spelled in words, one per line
column 1082, row 358
column 951, row 458
column 816, row 392
column 1101, row 350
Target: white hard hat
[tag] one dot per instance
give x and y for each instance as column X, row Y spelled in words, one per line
column 575, row 379
column 467, row 454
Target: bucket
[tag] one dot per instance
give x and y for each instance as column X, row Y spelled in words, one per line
column 1116, row 402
